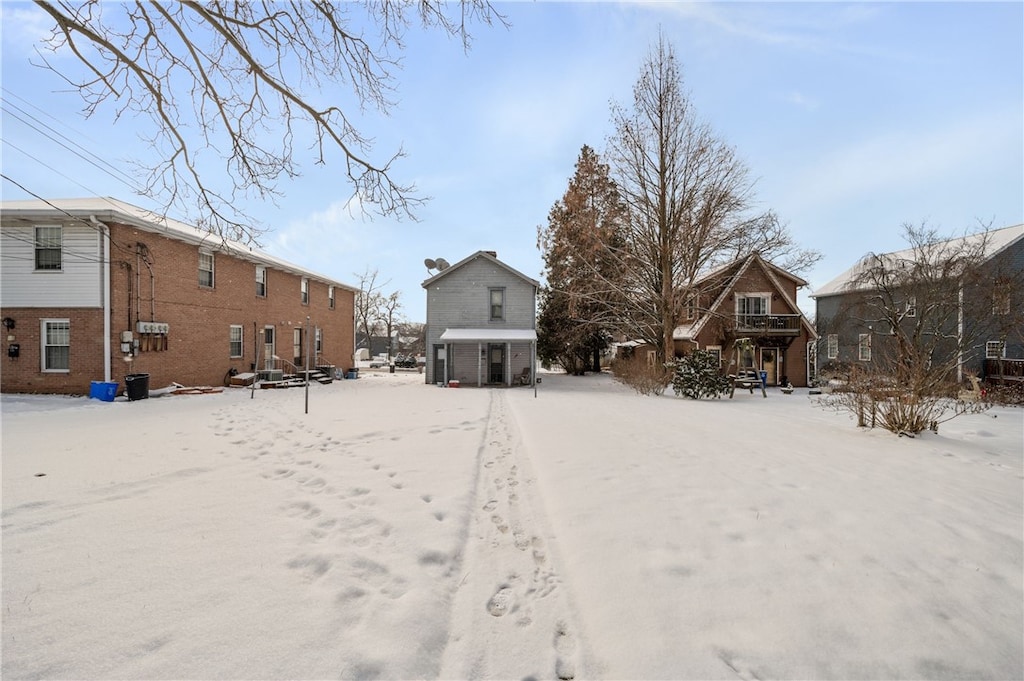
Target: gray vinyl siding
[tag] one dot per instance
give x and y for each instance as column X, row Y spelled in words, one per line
column 831, row 319
column 76, row 284
column 461, row 300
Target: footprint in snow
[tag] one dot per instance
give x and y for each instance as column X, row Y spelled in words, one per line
column 502, row 602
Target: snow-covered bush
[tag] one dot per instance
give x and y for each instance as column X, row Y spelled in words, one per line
column 697, row 375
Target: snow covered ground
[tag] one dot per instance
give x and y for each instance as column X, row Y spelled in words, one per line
column 400, row 530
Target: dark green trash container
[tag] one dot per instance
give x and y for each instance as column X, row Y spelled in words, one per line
column 137, row 386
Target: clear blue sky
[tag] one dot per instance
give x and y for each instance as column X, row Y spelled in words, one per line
column 853, row 118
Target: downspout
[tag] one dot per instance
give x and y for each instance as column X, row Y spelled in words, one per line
column 105, row 244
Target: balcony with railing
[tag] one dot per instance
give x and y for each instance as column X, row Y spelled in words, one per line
column 1004, row 369
column 769, row 324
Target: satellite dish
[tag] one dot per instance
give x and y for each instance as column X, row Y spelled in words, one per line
column 431, row 265
column 442, row 264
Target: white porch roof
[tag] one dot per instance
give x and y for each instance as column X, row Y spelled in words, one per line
column 488, row 335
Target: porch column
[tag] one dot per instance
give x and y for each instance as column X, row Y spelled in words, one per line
column 479, row 363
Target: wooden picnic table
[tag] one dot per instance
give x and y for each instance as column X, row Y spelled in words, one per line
column 747, row 380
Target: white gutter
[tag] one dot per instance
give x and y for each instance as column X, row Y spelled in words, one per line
column 105, row 244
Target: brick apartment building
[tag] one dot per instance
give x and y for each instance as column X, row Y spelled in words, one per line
column 96, row 289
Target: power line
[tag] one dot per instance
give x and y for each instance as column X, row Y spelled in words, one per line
column 75, row 218
column 84, row 154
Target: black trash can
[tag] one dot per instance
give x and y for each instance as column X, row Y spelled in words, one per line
column 137, row 386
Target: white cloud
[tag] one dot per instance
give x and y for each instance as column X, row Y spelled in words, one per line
column 25, row 26
column 323, row 239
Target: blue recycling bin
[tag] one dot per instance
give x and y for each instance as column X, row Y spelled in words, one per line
column 764, row 379
column 103, row 390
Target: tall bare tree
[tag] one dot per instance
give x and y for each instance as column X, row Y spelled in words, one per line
column 389, row 316
column 688, row 195
column 239, row 84
column 368, row 305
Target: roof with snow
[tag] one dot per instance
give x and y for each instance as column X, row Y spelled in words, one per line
column 998, row 241
column 107, row 209
column 742, row 265
column 488, row 335
column 490, row 256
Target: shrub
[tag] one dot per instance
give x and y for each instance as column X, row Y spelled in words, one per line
column 641, row 376
column 697, row 375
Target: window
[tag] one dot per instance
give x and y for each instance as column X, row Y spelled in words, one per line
column 235, row 344
column 833, row 345
column 752, row 304
column 864, row 347
column 995, row 349
column 752, row 310
column 261, row 281
column 56, row 339
column 304, row 287
column 911, row 306
column 49, row 246
column 497, row 296
column 206, row 269
column 330, row 297
column 716, row 352
column 691, row 307
column 318, row 341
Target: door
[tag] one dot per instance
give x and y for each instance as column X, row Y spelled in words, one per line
column 439, row 362
column 495, row 363
column 770, row 364
column 297, row 347
column 268, row 347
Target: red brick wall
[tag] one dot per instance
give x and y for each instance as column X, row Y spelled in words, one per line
column 24, row 374
column 168, row 291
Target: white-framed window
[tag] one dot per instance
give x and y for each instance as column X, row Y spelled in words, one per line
column 691, row 308
column 318, row 339
column 49, row 247
column 832, row 349
column 497, row 304
column 55, row 337
column 304, row 289
column 330, row 297
column 206, row 269
column 752, row 303
column 911, row 306
column 995, row 349
column 752, row 310
column 864, row 347
column 716, row 351
column 261, row 281
column 235, row 340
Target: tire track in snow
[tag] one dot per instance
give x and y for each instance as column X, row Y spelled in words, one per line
column 511, row 616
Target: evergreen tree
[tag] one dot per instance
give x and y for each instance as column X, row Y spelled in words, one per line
column 580, row 241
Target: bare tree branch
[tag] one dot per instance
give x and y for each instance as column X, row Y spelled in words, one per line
column 237, row 83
